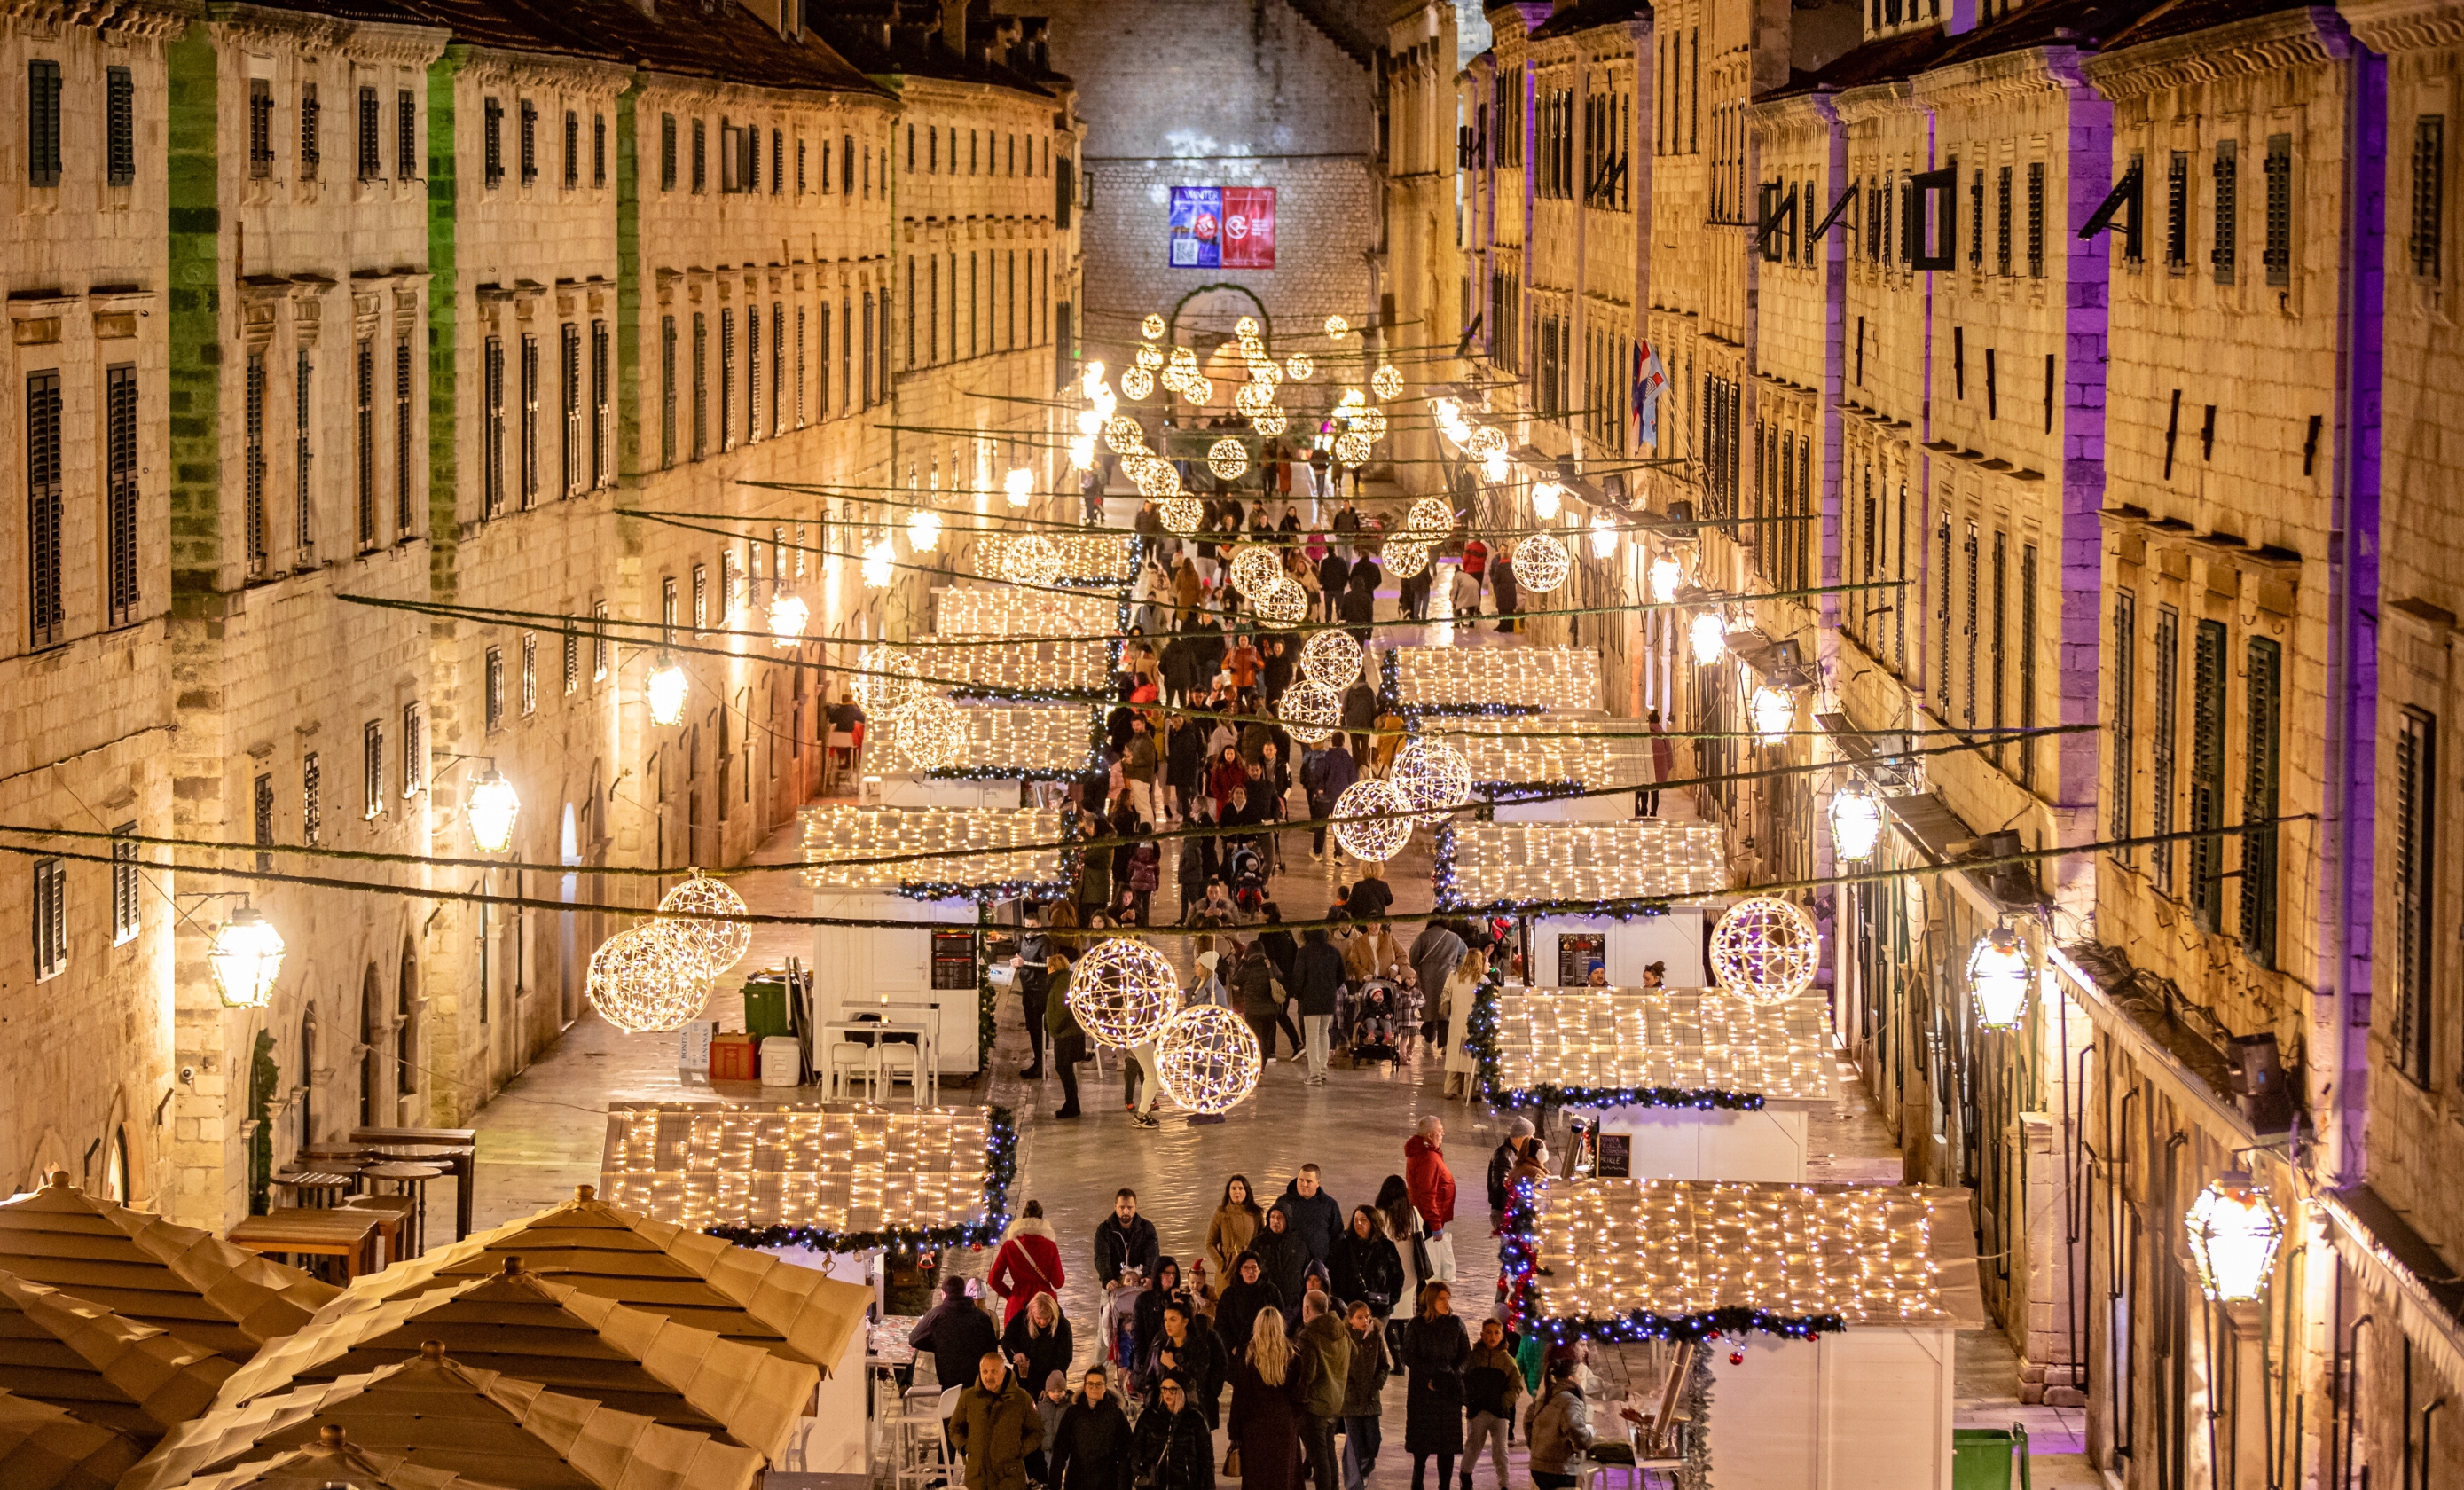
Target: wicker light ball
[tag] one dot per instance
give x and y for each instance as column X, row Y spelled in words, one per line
column 1256, row 568
column 1431, row 516
column 1198, row 390
column 1309, row 709
column 1282, row 604
column 1184, row 359
column 638, row 983
column 889, row 682
column 1150, row 357
column 1380, row 839
column 1253, row 399
column 1228, row 458
column 1488, row 440
column 1370, row 422
column 706, row 949
column 1270, row 421
column 932, row 732
column 1032, row 560
column 1122, row 992
column 1207, row 1059
column 1181, row 514
column 1156, row 478
column 1264, row 371
column 1405, row 557
column 1336, row 325
column 1137, row 384
column 1433, row 776
column 1765, row 950
column 1540, row 563
column 1152, row 326
column 1387, row 382
column 1299, row 366
column 1246, row 328
column 1124, row 435
column 1332, row 659
column 1352, row 448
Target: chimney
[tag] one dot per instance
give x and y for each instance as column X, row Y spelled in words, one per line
column 954, row 24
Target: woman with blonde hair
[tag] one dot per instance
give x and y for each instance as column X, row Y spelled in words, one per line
column 1454, row 1012
column 1268, row 1393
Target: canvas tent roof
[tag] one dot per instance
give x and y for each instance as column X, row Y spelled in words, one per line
column 129, row 1377
column 43, row 1448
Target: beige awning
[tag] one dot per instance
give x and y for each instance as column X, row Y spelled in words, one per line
column 129, row 1377
column 441, row 1415
column 43, row 1448
column 141, row 1268
column 527, row 1326
column 743, row 1295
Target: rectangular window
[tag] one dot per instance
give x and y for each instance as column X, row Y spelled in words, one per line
column 700, row 156
column 51, row 926
column 2162, row 742
column 667, row 392
column 867, row 354
column 2027, row 663
column 312, row 800
column 2126, row 718
column 602, row 409
column 602, row 650
column 2177, row 212
column 800, row 367
column 2414, row 887
column 572, row 149
column 405, row 135
column 492, row 136
column 1998, row 651
column 825, row 363
column 414, row 749
column 569, row 375
column 752, row 372
column 260, row 127
column 700, row 384
column 371, row 139
column 120, row 126
column 2035, row 219
column 1975, row 564
column 310, row 153
column 667, row 152
column 372, row 770
column 126, row 918
column 599, row 150
column 2208, row 773
column 2002, row 221
column 2261, row 774
column 530, row 674
column 406, row 505
column 2226, row 169
column 262, row 818
column 530, row 452
column 120, row 494
column 779, row 366
column 492, row 690
column 727, row 378
column 572, row 660
column 700, row 598
column 778, row 162
column 2277, row 255
column 2424, row 246
column 491, row 456
column 252, row 462
column 43, row 122
column 529, row 141
column 364, row 426
column 45, row 604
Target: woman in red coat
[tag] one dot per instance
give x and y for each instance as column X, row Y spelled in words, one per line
column 1028, row 1263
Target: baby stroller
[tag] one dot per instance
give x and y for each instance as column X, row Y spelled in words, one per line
column 1246, row 869
column 1372, row 1024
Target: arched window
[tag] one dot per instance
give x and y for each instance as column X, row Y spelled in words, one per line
column 308, row 1077
column 372, row 1051
column 405, row 1033
column 115, row 1168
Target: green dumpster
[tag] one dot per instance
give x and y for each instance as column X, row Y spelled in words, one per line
column 1981, row 1457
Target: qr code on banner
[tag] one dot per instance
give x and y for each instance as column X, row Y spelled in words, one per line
column 1184, row 253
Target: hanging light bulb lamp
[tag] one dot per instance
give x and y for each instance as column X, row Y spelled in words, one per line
column 2234, row 1231
column 1775, row 709
column 923, row 533
column 493, row 806
column 1018, row 485
column 1604, row 536
column 1855, row 823
column 789, row 614
column 1207, row 1059
column 1708, row 634
column 1547, row 496
column 1379, row 838
column 1667, row 575
column 1495, row 468
column 705, row 949
column 1309, row 709
column 1332, row 659
column 880, row 564
column 1999, row 974
column 1122, row 992
column 1541, row 563
column 244, row 958
column 1765, row 950
column 665, row 690
column 1434, row 777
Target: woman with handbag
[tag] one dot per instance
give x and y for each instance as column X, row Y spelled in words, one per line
column 1171, row 1448
column 1434, row 1351
column 1411, row 1256
column 1269, row 1387
column 1028, row 1263
column 1363, row 1267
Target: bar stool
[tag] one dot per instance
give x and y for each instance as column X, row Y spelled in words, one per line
column 410, row 1177
column 400, row 1215
column 317, row 1190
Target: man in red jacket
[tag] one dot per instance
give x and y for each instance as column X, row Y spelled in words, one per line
column 1431, row 1186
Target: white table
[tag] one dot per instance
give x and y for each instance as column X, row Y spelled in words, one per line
column 926, row 1086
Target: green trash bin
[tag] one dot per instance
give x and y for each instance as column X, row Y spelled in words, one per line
column 765, row 1006
column 1981, row 1457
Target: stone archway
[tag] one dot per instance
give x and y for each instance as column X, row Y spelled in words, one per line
column 1216, row 309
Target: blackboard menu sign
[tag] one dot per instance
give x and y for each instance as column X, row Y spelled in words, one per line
column 953, row 960
column 1616, row 1156
column 1577, row 954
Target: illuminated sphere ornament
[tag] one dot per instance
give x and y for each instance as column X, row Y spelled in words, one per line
column 493, row 805
column 1299, row 366
column 2234, row 1231
column 1181, row 515
column 1429, row 518
column 1405, row 556
column 887, row 681
column 705, row 949
column 1999, row 974
column 1709, row 633
column 1540, row 563
column 1351, row 448
column 923, row 535
column 1207, row 1059
column 1311, row 710
column 1253, row 398
column 1283, row 604
column 1122, row 992
column 1765, row 950
column 1855, row 823
column 1124, row 435
column 1256, row 568
column 1246, row 328
column 638, row 983
column 1488, row 441
column 1018, row 485
column 1033, row 560
column 1381, row 838
column 1332, row 659
column 1775, row 711
column 1666, row 576
column 244, row 959
column 1198, row 389
column 1150, row 357
column 1545, row 498
column 1228, row 458
column 1387, row 382
column 932, row 732
column 1152, row 326
column 1370, row 422
column 1433, row 776
column 880, row 564
column 1336, row 325
column 1270, row 421
column 665, row 690
column 1137, row 384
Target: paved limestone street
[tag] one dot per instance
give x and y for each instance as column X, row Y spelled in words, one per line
column 542, row 1134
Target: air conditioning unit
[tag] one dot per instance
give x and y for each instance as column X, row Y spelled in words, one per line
column 2258, row 1070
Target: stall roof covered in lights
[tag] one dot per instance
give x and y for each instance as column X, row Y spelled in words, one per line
column 1496, row 679
column 1030, row 670
column 1505, row 865
column 836, row 1176
column 1599, row 1046
column 1541, row 751
column 1007, row 850
column 1005, row 611
column 1096, row 560
column 1632, row 1258
column 1008, row 742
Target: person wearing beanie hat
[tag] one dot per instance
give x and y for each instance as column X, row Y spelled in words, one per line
column 1518, row 1143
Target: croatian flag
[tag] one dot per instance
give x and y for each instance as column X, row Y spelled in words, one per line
column 1650, row 377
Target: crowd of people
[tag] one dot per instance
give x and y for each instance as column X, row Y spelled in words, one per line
column 1277, row 1341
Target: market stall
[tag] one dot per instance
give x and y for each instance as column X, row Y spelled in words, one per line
column 1663, row 1082
column 1497, row 868
column 1835, row 1309
column 1516, row 762
column 985, row 757
column 1493, row 680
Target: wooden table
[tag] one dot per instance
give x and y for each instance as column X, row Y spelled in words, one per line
column 460, row 1148
column 343, row 1232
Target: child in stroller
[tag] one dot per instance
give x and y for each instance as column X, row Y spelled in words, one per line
column 1246, row 869
column 1373, row 1023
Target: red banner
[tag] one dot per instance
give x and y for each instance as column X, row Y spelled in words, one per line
column 1248, row 227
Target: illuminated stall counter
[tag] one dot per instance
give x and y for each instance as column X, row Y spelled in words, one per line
column 1498, row 867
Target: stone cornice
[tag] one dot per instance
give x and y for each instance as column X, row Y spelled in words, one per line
column 2270, row 43
column 539, row 69
column 751, row 96
column 2394, row 25
column 1877, row 101
column 372, row 41
column 146, row 18
column 1795, row 114
column 2003, row 79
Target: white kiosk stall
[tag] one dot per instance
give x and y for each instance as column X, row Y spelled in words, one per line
column 1677, row 1082
column 1845, row 1299
column 868, row 979
column 1497, row 866
column 818, row 1185
column 1007, row 745
column 1553, row 751
column 1475, row 680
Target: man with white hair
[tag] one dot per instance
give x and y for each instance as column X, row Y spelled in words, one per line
column 1431, row 1186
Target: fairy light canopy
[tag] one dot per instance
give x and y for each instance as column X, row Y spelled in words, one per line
column 1513, row 864
column 1123, row 992
column 1566, row 750
column 1472, row 679
column 1047, row 668
column 1207, row 1059
column 839, row 1168
column 1026, row 742
column 1765, row 949
column 1688, row 1038
column 1612, row 1255
column 988, row 850
column 1000, row 610
column 1098, row 557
